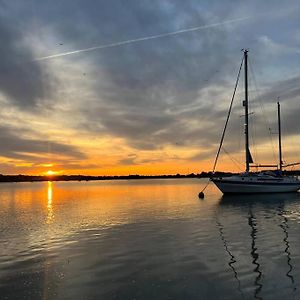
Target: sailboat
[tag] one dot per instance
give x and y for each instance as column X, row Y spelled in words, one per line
column 263, row 182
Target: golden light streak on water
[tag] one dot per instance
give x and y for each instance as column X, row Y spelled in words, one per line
column 50, row 213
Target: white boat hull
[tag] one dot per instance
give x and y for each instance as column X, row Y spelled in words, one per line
column 253, row 186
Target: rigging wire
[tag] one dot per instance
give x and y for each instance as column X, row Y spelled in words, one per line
column 226, row 123
column 227, row 119
column 252, row 130
column 267, row 123
column 235, row 161
column 292, row 142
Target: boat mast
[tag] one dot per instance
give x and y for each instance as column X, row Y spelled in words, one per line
column 279, row 137
column 246, row 111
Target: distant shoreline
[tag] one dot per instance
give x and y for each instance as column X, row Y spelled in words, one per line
column 38, row 178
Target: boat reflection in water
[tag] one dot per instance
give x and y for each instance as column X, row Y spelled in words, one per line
column 259, row 242
column 285, row 226
column 232, row 260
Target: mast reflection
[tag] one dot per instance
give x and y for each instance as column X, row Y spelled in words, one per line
column 254, row 254
column 232, row 258
column 284, row 225
column 50, row 213
column 273, row 204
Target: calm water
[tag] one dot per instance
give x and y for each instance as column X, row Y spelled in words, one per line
column 146, row 239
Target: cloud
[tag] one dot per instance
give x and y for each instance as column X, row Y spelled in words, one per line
column 142, row 39
column 140, row 87
column 25, row 84
column 153, row 94
column 276, row 48
column 285, row 90
column 32, row 150
column 129, row 160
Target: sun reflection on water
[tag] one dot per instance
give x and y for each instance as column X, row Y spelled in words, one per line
column 50, row 214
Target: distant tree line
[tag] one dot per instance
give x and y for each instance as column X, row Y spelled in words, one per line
column 33, row 178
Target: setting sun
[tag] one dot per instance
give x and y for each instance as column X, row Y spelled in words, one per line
column 50, row 172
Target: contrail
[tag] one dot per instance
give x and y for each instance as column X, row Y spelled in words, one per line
column 146, row 38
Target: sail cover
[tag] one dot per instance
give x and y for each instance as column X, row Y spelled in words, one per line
column 249, row 156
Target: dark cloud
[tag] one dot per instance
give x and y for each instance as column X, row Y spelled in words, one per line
column 284, row 90
column 16, row 147
column 23, row 81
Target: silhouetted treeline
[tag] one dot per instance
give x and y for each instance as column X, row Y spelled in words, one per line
column 30, row 178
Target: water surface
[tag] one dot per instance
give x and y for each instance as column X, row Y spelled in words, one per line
column 146, row 239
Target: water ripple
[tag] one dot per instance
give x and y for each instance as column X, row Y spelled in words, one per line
column 146, row 240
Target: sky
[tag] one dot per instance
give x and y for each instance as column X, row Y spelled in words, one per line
column 143, row 86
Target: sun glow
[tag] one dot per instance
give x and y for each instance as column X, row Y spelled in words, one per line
column 50, row 173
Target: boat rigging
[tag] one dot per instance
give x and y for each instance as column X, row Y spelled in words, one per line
column 248, row 182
